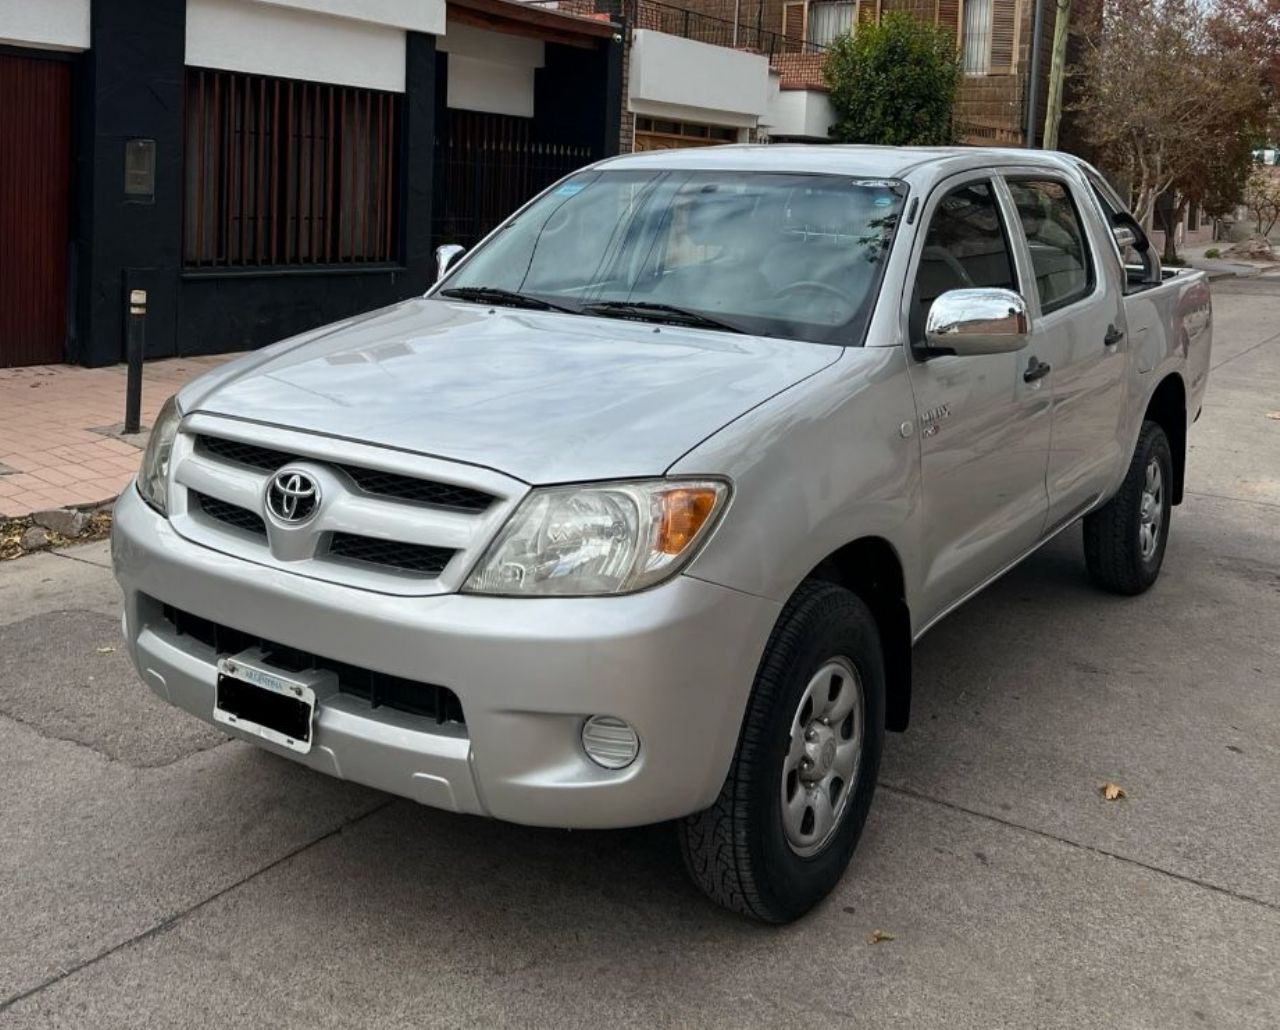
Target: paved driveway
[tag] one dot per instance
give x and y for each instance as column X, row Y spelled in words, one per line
column 154, row 874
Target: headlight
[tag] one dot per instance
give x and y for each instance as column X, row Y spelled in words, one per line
column 153, row 475
column 606, row 538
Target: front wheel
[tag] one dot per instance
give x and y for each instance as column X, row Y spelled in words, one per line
column 1124, row 540
column 782, row 832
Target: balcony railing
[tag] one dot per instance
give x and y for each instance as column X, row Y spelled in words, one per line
column 744, row 33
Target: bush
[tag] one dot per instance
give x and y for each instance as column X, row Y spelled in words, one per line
column 1213, row 252
column 894, row 83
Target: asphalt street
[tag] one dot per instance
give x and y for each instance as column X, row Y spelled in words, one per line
column 155, row 874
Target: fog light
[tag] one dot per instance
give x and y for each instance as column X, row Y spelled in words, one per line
column 610, row 742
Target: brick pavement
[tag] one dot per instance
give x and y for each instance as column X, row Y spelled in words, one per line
column 53, row 452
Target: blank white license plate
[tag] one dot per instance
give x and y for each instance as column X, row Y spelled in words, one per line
column 273, row 704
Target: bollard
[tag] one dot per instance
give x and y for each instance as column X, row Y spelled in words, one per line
column 136, row 338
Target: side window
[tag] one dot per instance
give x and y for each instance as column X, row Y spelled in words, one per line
column 1055, row 238
column 966, row 246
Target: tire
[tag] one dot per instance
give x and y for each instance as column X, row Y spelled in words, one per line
column 1123, row 547
column 739, row 851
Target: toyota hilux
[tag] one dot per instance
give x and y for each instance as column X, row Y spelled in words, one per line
column 636, row 515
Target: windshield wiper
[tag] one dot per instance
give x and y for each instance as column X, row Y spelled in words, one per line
column 650, row 311
column 511, row 298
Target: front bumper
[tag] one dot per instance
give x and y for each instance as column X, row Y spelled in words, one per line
column 676, row 662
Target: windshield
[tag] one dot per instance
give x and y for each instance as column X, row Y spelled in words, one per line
column 795, row 256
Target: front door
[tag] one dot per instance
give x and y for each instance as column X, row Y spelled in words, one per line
column 1080, row 332
column 984, row 431
column 35, row 200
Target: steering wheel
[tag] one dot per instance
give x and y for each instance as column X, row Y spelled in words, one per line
column 947, row 258
column 813, row 285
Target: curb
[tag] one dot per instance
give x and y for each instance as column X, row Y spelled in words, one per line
column 54, row 528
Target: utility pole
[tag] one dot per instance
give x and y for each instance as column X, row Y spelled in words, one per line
column 1033, row 80
column 1057, row 71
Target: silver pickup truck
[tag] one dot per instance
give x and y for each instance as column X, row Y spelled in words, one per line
column 637, row 514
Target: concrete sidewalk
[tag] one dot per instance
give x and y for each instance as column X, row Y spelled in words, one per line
column 57, row 449
column 1226, row 267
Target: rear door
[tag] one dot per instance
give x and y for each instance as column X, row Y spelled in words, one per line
column 984, row 430
column 1080, row 332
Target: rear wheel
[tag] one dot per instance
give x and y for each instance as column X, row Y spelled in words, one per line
column 782, row 832
column 1124, row 540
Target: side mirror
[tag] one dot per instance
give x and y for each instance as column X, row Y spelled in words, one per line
column 1128, row 233
column 1125, row 237
column 978, row 321
column 446, row 255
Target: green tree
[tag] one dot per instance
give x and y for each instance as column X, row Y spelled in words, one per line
column 893, row 83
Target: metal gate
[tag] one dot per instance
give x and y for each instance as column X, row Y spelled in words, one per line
column 35, row 198
column 487, row 165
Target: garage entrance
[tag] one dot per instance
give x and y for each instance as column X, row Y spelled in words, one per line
column 35, row 200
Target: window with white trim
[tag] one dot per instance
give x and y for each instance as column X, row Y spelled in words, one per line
column 989, row 36
column 976, row 50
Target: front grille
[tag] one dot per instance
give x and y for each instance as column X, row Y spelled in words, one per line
column 243, row 453
column 420, row 491
column 389, row 554
column 230, row 514
column 371, row 481
column 378, row 688
column 420, row 558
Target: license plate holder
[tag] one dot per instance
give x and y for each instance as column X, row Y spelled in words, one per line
column 278, row 705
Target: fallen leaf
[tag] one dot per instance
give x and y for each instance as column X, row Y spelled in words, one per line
column 1112, row 791
column 106, row 650
column 1274, row 415
column 876, row 936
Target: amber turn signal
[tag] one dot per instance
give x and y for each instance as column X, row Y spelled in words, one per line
column 684, row 511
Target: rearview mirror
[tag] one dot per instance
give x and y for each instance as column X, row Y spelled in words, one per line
column 446, row 255
column 978, row 321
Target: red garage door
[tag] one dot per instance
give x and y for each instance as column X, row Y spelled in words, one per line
column 35, row 197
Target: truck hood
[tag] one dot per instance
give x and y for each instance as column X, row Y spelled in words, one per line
column 541, row 396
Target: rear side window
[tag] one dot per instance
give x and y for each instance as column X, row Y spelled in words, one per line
column 966, row 246
column 1055, row 237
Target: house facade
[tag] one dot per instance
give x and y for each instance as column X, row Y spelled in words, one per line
column 994, row 38
column 718, row 71
column 695, row 76
column 261, row 167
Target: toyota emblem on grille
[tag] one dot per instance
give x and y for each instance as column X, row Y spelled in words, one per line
column 293, row 496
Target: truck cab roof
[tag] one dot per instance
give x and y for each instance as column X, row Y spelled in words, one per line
column 842, row 159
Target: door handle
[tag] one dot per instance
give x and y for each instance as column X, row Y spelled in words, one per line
column 1113, row 336
column 1036, row 370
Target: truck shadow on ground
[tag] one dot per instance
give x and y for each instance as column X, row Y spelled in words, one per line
column 420, row 868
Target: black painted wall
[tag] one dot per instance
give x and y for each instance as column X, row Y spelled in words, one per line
column 129, row 85
column 224, row 311
column 578, row 96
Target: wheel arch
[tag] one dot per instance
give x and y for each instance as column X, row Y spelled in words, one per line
column 1168, row 409
column 870, row 567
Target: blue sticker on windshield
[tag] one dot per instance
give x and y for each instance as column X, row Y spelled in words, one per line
column 883, row 201
column 570, row 188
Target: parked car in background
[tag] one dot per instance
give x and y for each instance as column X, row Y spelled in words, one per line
column 637, row 514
